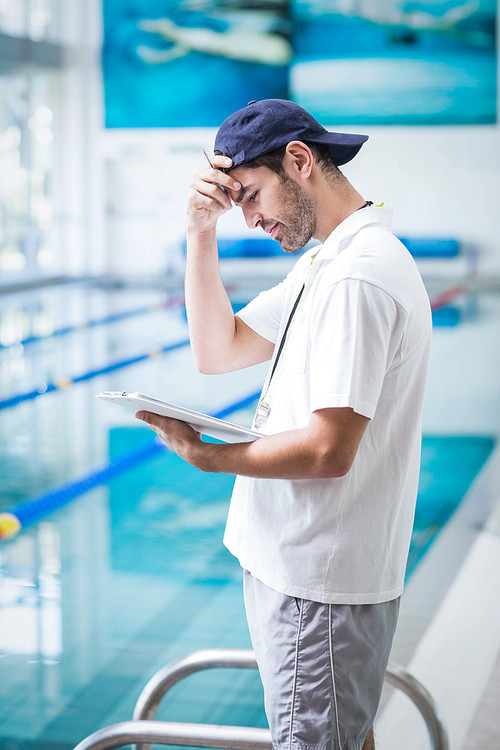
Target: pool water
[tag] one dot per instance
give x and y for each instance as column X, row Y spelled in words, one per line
column 132, row 574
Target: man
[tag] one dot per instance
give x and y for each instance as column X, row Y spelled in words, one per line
column 323, row 504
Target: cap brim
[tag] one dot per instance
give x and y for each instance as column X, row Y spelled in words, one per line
column 343, row 146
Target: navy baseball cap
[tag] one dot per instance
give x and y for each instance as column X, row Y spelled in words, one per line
column 262, row 126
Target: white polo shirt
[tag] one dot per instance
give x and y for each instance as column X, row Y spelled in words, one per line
column 360, row 339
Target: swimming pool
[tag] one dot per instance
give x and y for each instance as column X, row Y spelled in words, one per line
column 131, row 574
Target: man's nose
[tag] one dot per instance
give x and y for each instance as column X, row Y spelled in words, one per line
column 252, row 217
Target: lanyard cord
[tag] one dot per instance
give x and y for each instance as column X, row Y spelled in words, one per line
column 264, row 406
column 289, row 322
column 283, row 338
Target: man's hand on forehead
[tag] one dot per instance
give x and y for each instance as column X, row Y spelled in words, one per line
column 238, row 191
column 209, row 195
column 219, row 176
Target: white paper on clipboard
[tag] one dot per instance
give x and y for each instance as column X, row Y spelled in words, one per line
column 204, row 423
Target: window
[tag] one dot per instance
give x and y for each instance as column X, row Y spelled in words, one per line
column 45, row 120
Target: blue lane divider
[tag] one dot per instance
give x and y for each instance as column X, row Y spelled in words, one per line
column 32, row 510
column 432, row 247
column 113, row 318
column 66, row 382
column 264, row 247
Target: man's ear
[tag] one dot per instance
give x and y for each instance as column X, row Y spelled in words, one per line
column 299, row 158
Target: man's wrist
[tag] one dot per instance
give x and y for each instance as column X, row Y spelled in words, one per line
column 201, row 455
column 195, row 229
column 228, row 458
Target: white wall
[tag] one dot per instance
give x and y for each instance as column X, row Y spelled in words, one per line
column 440, row 181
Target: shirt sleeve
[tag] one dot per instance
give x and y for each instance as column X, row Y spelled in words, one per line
column 356, row 332
column 263, row 314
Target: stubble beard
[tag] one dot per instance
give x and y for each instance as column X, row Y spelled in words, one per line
column 298, row 217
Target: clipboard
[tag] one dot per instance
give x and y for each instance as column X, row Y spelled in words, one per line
column 204, row 423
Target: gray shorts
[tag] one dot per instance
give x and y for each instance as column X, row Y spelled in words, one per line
column 322, row 666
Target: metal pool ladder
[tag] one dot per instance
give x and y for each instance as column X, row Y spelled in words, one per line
column 144, row 730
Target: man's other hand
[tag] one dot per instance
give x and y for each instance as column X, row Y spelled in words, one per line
column 177, row 435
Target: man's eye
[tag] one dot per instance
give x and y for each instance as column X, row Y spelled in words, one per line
column 253, row 196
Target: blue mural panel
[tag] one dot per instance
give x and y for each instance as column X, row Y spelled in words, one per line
column 352, row 62
column 379, row 62
column 191, row 63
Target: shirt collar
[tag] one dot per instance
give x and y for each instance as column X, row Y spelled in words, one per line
column 349, row 227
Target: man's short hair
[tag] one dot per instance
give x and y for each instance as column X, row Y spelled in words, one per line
column 273, row 160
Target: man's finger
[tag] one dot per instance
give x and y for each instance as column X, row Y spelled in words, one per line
column 144, row 415
column 206, row 192
column 217, row 178
column 160, row 423
column 154, row 420
column 221, row 161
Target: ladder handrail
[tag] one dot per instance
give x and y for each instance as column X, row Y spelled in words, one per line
column 161, row 682
column 144, row 730
column 177, row 733
column 400, row 678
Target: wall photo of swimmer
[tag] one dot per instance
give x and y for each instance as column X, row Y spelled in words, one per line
column 223, row 51
column 367, row 62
